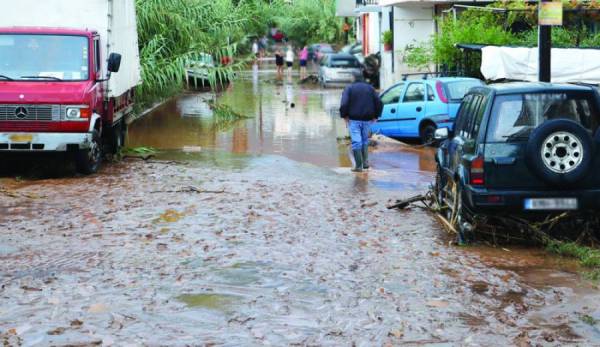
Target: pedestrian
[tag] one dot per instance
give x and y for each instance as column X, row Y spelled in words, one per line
column 279, row 62
column 289, row 59
column 255, row 49
column 303, row 60
column 360, row 106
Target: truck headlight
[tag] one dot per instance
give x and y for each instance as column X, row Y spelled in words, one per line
column 73, row 113
column 77, row 113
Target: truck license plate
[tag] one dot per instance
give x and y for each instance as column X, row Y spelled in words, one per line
column 22, row 138
column 551, row 204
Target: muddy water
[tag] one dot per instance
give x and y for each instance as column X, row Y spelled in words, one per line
column 259, row 235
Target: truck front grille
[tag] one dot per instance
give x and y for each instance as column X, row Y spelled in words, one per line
column 31, row 112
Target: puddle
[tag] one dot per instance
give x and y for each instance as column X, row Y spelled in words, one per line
column 218, row 302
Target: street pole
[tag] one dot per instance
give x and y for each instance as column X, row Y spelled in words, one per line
column 544, row 51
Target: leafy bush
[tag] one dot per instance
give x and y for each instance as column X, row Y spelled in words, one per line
column 387, row 37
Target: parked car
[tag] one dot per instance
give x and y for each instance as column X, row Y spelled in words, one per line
column 57, row 92
column 318, row 50
column 338, row 68
column 356, row 49
column 416, row 108
column 521, row 148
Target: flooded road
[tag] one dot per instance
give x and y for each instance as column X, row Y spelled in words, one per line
column 258, row 234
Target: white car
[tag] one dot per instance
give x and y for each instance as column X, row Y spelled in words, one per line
column 338, row 68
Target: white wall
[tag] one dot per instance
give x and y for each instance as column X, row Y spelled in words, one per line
column 374, row 33
column 412, row 24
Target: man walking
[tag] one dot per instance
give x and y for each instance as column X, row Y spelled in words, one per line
column 360, row 107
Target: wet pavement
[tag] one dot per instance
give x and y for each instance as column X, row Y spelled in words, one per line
column 258, row 234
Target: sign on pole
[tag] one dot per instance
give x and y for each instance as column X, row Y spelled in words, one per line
column 550, row 13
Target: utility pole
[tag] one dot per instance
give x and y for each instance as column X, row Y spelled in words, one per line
column 544, row 50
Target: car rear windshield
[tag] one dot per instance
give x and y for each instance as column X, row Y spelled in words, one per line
column 514, row 117
column 457, row 90
column 345, row 62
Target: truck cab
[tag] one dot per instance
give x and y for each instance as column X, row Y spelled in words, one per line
column 56, row 92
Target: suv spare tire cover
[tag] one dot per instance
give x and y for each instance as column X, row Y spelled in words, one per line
column 560, row 152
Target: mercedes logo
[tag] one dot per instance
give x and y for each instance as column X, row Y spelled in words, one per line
column 21, row 112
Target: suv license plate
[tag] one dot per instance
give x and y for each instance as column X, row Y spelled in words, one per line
column 551, row 204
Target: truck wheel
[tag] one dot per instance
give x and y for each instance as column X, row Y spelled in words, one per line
column 88, row 161
column 428, row 134
column 560, row 152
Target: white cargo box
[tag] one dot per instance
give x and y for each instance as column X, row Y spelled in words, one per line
column 114, row 20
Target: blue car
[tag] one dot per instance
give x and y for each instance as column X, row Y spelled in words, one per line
column 416, row 108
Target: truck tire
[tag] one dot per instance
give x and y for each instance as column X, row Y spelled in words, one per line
column 560, row 152
column 117, row 137
column 88, row 161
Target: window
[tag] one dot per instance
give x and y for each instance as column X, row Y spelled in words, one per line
column 97, row 62
column 479, row 115
column 457, row 90
column 44, row 57
column 514, row 117
column 392, row 96
column 430, row 94
column 345, row 62
column 415, row 92
column 472, row 112
column 462, row 116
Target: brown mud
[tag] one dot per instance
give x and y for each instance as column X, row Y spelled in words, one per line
column 277, row 243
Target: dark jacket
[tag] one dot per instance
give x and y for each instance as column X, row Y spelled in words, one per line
column 360, row 101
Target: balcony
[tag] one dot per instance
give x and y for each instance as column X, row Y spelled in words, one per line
column 366, row 2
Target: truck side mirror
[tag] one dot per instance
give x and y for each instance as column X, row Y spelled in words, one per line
column 114, row 62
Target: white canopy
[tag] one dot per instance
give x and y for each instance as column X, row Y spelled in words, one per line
column 515, row 63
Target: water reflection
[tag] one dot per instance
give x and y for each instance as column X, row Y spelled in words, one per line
column 298, row 121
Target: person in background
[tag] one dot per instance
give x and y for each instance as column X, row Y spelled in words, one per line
column 289, row 59
column 279, row 62
column 360, row 106
column 255, row 49
column 303, row 61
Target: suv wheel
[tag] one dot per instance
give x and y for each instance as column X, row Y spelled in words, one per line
column 459, row 216
column 440, row 185
column 560, row 152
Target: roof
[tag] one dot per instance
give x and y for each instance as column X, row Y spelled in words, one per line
column 45, row 31
column 533, row 87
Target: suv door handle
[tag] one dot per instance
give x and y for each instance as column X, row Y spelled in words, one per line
column 393, row 110
column 419, row 109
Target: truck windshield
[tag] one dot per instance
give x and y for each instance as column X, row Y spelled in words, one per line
column 514, row 117
column 44, row 57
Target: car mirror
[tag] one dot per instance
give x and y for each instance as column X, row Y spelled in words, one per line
column 441, row 134
column 114, row 62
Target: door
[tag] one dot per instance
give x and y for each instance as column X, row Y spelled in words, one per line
column 388, row 123
column 412, row 109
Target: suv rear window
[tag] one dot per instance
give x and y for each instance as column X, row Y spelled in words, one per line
column 514, row 117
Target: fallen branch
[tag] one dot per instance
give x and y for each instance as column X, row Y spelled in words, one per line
column 190, row 189
column 402, row 204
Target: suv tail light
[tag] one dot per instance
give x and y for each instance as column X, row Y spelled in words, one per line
column 440, row 91
column 477, row 171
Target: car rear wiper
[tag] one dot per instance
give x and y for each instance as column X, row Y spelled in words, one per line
column 6, row 78
column 43, row 77
column 519, row 135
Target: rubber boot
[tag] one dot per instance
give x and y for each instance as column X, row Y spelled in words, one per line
column 358, row 159
column 365, row 157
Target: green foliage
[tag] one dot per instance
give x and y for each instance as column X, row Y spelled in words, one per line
column 477, row 26
column 172, row 33
column 306, row 21
column 588, row 257
column 387, row 37
column 419, row 55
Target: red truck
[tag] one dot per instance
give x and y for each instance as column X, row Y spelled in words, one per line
column 68, row 70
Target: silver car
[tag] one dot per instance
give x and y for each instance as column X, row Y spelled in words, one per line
column 338, row 68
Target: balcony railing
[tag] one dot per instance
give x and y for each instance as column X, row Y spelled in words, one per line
column 366, row 2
